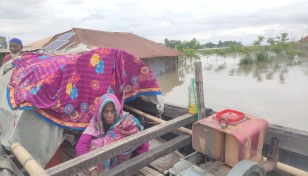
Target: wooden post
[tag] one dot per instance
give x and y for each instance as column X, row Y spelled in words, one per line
column 27, row 161
column 199, row 89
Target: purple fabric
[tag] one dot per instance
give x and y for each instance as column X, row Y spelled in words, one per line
column 9, row 57
column 83, row 144
column 141, row 149
column 64, row 90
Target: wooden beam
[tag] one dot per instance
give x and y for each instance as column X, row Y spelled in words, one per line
column 90, row 159
column 155, row 119
column 199, row 89
column 143, row 160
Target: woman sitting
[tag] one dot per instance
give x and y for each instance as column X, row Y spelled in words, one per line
column 109, row 124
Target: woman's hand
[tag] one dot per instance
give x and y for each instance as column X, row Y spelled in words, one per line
column 93, row 171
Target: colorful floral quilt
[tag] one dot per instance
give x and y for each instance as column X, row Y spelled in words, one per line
column 64, row 89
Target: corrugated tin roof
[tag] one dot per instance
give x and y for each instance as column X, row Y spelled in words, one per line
column 25, row 48
column 4, row 50
column 304, row 40
column 79, row 48
column 40, row 43
column 131, row 43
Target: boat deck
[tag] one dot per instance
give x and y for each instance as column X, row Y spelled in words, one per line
column 157, row 168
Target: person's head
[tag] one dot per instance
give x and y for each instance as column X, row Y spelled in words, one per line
column 108, row 114
column 15, row 45
column 109, row 109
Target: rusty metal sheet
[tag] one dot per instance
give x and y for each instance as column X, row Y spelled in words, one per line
column 129, row 42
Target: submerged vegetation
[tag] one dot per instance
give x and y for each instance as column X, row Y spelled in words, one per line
column 283, row 49
column 277, row 48
column 187, row 48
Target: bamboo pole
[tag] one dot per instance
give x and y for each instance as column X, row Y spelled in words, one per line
column 280, row 166
column 27, row 161
column 199, row 89
column 291, row 170
column 155, row 119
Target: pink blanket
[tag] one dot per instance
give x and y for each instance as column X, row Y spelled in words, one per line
column 64, row 90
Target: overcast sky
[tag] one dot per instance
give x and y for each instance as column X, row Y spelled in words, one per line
column 205, row 20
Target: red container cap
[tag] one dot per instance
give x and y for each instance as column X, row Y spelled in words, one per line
column 232, row 116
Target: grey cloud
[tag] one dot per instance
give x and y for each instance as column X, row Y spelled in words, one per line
column 72, row 2
column 20, row 9
column 294, row 13
column 93, row 16
column 37, row 20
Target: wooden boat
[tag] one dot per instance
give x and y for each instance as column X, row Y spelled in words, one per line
column 292, row 160
column 292, row 151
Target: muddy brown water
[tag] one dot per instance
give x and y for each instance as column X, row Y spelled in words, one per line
column 276, row 91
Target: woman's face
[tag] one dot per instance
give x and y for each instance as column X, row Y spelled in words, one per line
column 109, row 114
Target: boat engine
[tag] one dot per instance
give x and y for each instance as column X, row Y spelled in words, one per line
column 230, row 136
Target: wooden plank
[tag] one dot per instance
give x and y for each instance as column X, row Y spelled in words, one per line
column 64, row 157
column 144, row 172
column 137, row 174
column 90, row 159
column 147, row 171
column 72, row 148
column 166, row 161
column 70, row 152
column 199, row 89
column 81, row 174
column 141, row 161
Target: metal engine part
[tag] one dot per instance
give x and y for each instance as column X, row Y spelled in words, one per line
column 247, row 168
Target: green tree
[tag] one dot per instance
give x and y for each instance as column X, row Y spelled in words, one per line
column 260, row 38
column 171, row 43
column 188, row 49
column 180, row 47
column 3, row 42
column 219, row 43
column 166, row 42
column 210, row 45
column 256, row 43
column 193, row 44
column 259, row 41
column 271, row 41
column 283, row 37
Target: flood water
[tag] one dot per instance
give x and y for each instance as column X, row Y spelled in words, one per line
column 276, row 91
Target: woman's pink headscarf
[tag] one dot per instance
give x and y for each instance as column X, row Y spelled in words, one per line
column 125, row 125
